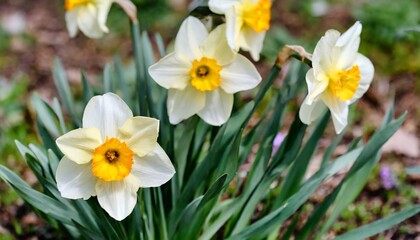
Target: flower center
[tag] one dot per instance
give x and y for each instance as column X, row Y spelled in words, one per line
column 205, row 74
column 70, row 4
column 112, row 161
column 257, row 15
column 343, row 84
column 111, row 155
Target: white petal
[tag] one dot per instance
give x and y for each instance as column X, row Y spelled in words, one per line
column 221, row 6
column 315, row 86
column 216, row 46
column 140, row 134
column 233, row 27
column 323, row 54
column 71, row 22
column 106, row 113
column 253, row 42
column 349, row 37
column 171, row 72
column 88, row 22
column 191, row 35
column 182, row 104
column 366, row 76
column 118, row 198
column 348, row 43
column 240, row 75
column 78, row 145
column 339, row 111
column 74, row 180
column 218, row 107
column 103, row 9
column 310, row 112
column 154, row 169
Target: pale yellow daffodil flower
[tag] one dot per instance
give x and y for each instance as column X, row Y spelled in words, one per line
column 247, row 22
column 87, row 15
column 202, row 74
column 340, row 75
column 112, row 156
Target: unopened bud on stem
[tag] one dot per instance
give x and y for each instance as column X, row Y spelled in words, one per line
column 129, row 8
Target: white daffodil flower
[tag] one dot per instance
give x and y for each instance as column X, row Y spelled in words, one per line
column 247, row 22
column 202, row 74
column 87, row 15
column 340, row 75
column 112, row 156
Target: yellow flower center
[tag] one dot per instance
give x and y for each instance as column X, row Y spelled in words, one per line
column 70, row 4
column 205, row 74
column 343, row 84
column 112, row 161
column 257, row 15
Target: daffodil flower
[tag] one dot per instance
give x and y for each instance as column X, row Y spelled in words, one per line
column 202, row 74
column 340, row 75
column 112, row 156
column 247, row 22
column 87, row 15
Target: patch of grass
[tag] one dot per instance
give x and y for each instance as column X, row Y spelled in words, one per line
column 376, row 202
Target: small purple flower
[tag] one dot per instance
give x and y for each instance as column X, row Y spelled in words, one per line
column 277, row 142
column 387, row 177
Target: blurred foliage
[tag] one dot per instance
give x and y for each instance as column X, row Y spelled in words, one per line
column 378, row 202
column 389, row 22
column 12, row 119
column 149, row 12
column 4, row 41
column 392, row 40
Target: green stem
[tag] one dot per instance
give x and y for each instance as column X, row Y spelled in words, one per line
column 305, row 60
column 164, row 229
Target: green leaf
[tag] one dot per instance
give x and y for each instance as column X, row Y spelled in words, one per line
column 259, row 166
column 163, row 229
column 46, row 115
column 107, row 78
column 379, row 226
column 267, row 224
column 363, row 163
column 198, row 178
column 194, row 215
column 266, row 84
column 257, row 228
column 39, row 201
column 57, row 109
column 183, row 147
column 376, row 142
column 148, row 213
column 62, row 85
column 299, row 167
column 160, row 45
column 289, row 148
column 122, row 81
column 43, row 160
column 87, row 89
column 330, row 150
column 142, row 85
column 348, row 193
column 47, row 140
column 53, row 162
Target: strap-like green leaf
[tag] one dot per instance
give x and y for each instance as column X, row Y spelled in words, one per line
column 379, row 226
